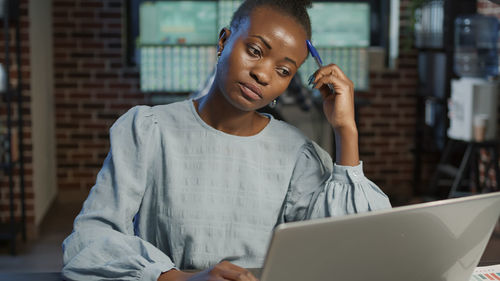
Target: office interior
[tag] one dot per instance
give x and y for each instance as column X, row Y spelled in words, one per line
column 70, row 68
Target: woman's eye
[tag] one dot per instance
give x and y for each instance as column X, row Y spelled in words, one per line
column 284, row 72
column 254, row 51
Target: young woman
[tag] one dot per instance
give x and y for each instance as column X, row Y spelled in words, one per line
column 200, row 184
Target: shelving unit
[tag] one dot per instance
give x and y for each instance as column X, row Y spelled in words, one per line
column 10, row 159
column 435, row 75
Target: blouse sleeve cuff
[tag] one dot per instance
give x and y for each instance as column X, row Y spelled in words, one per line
column 152, row 271
column 348, row 174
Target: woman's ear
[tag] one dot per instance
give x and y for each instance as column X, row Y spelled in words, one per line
column 223, row 36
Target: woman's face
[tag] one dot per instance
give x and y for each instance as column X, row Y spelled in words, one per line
column 259, row 59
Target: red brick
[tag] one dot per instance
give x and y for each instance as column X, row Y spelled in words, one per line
column 92, row 4
column 63, row 4
column 84, row 14
column 108, row 15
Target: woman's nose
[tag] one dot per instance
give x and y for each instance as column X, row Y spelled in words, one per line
column 261, row 74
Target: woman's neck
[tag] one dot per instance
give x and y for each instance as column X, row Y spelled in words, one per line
column 217, row 112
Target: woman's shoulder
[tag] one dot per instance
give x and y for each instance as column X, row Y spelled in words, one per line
column 287, row 131
column 145, row 116
column 307, row 148
column 178, row 108
column 165, row 112
column 136, row 115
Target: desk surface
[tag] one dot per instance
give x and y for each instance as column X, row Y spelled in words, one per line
column 56, row 276
column 42, row 276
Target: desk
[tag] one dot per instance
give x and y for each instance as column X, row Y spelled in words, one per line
column 488, row 263
column 41, row 276
column 56, row 276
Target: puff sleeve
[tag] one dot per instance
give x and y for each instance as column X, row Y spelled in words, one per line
column 102, row 245
column 319, row 188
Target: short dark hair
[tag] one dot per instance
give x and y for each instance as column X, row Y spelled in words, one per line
column 297, row 9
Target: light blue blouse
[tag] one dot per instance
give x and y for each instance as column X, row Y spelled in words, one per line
column 175, row 192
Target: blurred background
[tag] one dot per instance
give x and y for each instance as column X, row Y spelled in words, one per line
column 425, row 72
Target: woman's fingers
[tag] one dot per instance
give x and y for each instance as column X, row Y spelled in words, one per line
column 234, row 275
column 338, row 108
column 336, row 69
column 331, row 70
column 323, row 71
column 223, row 271
column 231, row 271
column 340, row 86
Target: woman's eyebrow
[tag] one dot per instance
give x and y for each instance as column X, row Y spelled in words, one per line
column 292, row 61
column 263, row 41
column 269, row 47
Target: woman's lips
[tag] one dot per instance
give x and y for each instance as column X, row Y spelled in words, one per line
column 250, row 91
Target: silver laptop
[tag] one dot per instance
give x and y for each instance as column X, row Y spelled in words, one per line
column 436, row 241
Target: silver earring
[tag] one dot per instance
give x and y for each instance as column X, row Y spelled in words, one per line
column 273, row 103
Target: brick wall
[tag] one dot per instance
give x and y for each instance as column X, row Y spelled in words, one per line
column 387, row 129
column 387, row 125
column 94, row 86
column 26, row 94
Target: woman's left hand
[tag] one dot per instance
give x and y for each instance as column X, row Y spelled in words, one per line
column 339, row 111
column 339, row 106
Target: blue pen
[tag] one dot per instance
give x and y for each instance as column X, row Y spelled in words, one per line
column 316, row 57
